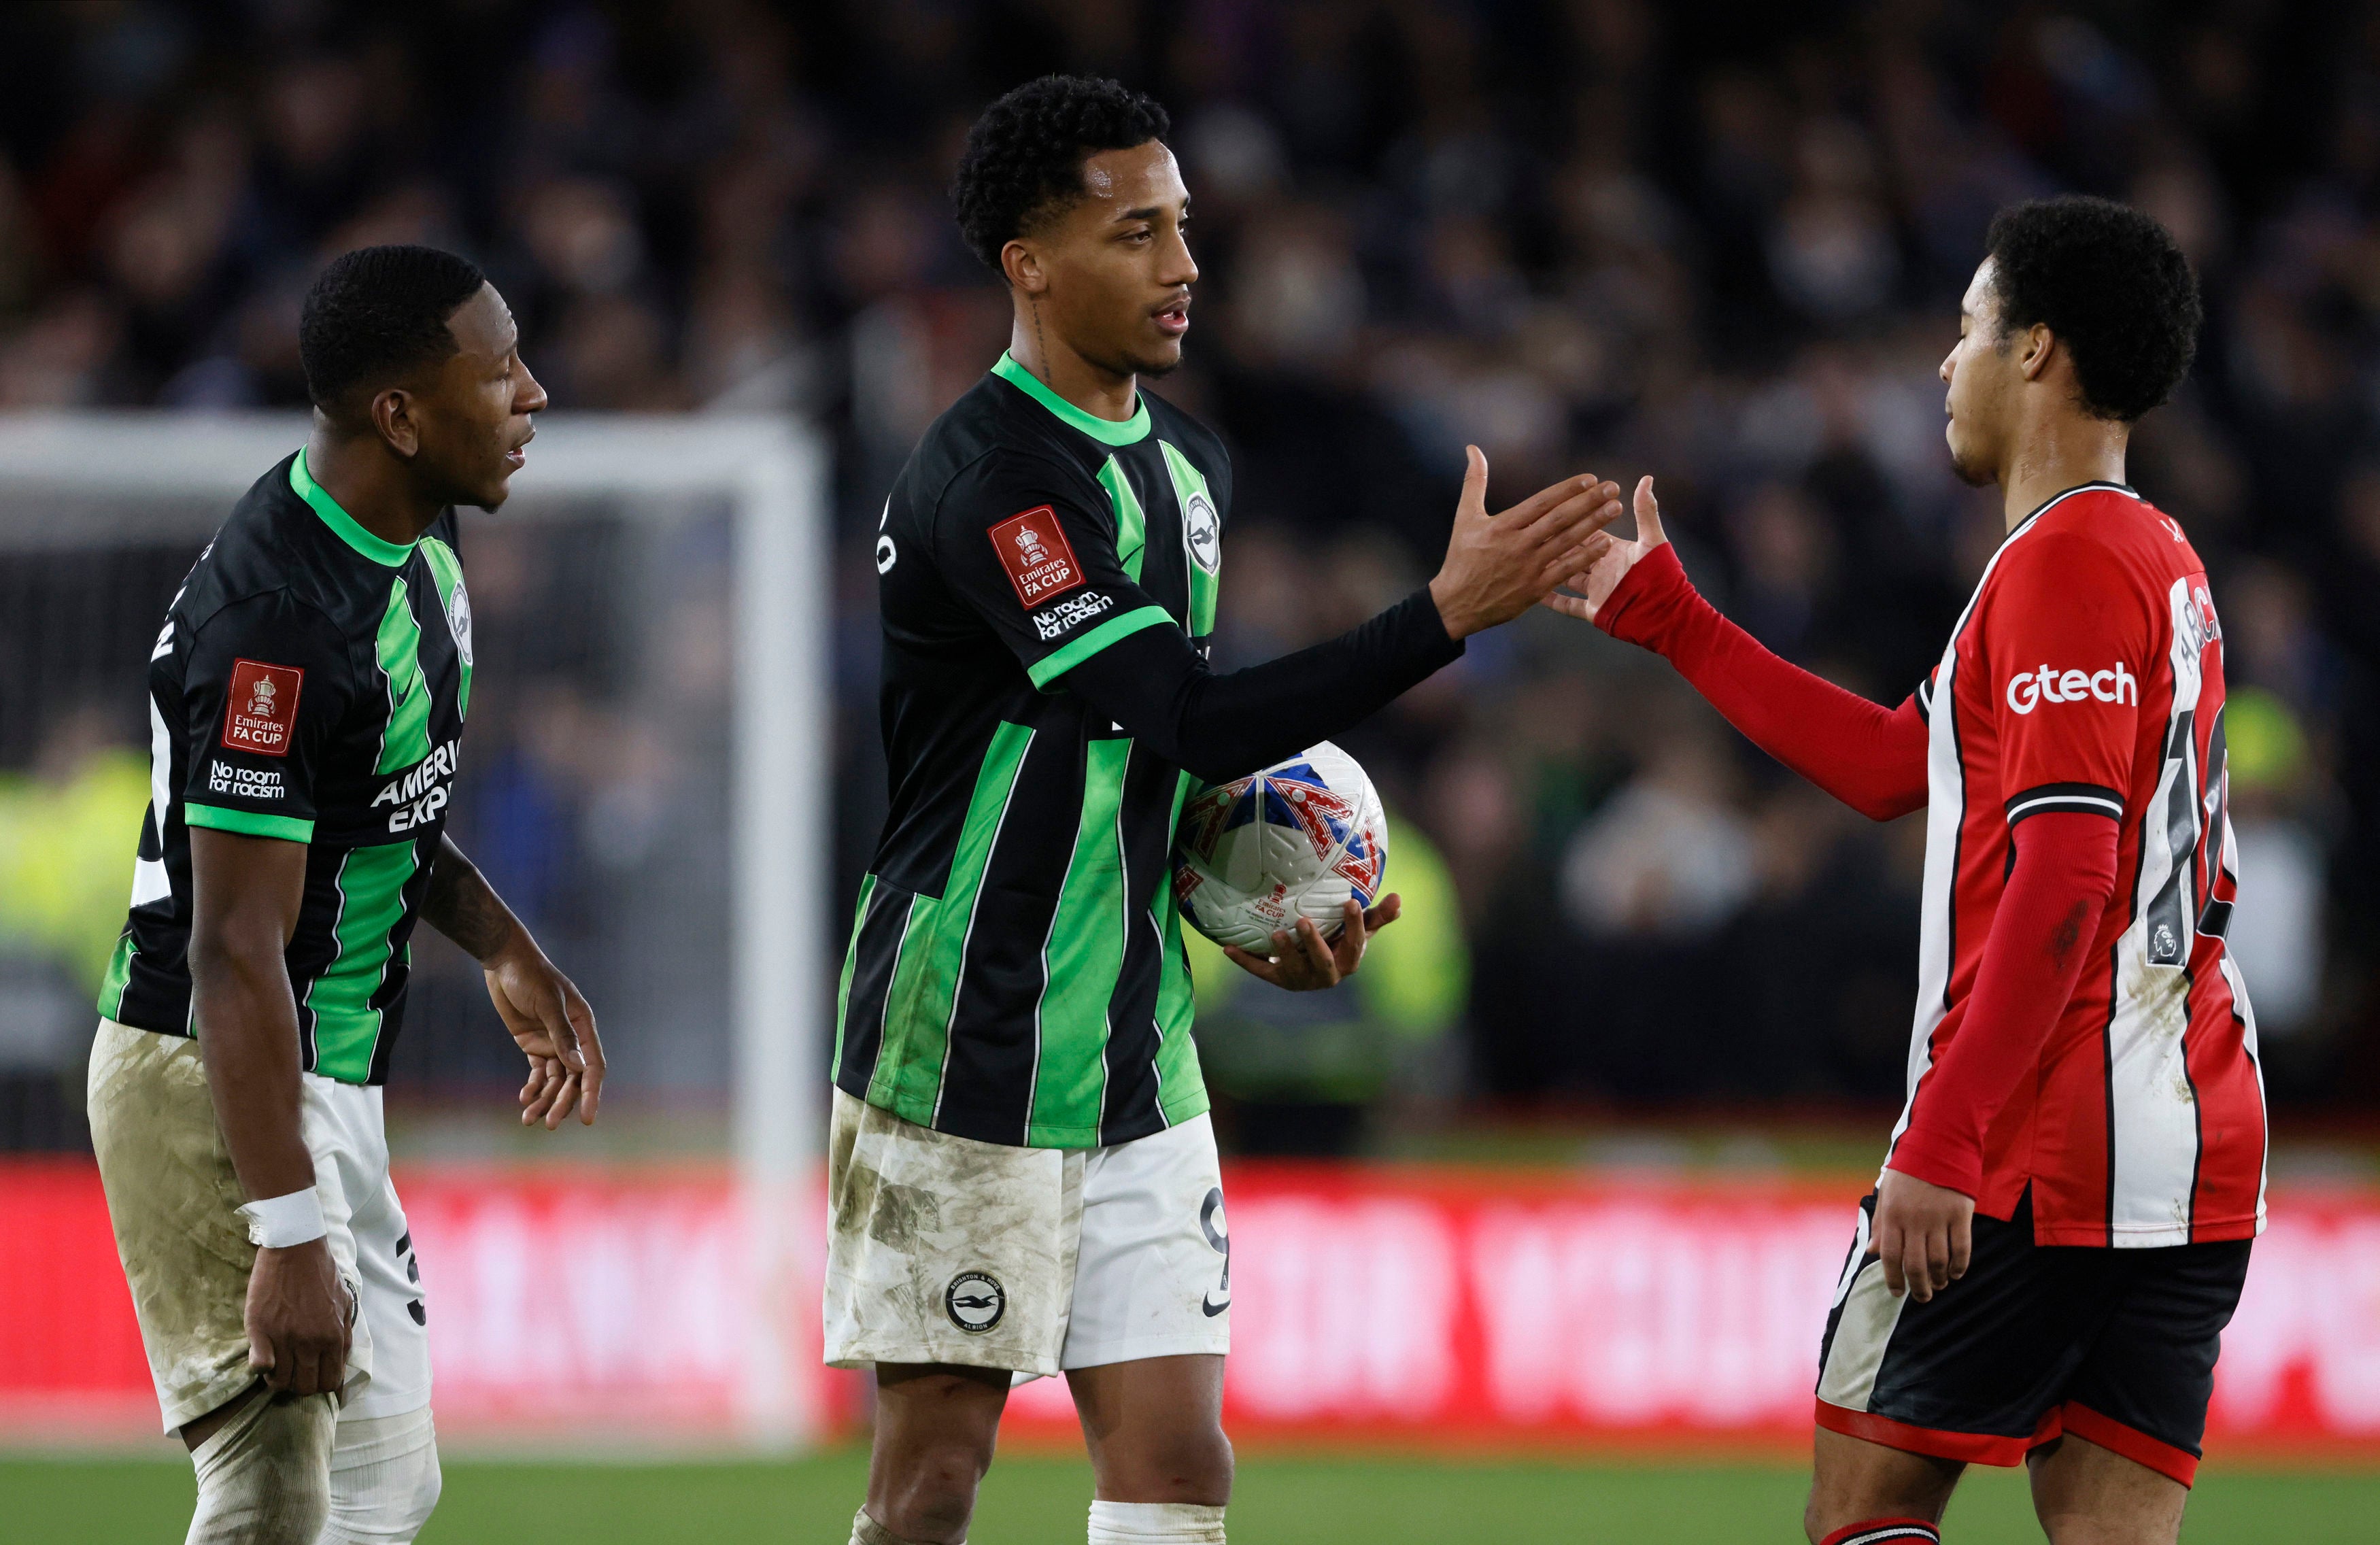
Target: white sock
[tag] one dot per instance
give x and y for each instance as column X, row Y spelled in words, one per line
column 868, row 1531
column 384, row 1479
column 1156, row 1524
column 264, row 1474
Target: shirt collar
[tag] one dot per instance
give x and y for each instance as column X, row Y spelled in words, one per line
column 1107, row 432
column 379, row 549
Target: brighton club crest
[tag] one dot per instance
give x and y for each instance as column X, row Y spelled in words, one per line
column 975, row 1301
column 1203, row 533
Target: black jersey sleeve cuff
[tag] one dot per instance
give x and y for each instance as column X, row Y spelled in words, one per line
column 1419, row 628
column 2077, row 798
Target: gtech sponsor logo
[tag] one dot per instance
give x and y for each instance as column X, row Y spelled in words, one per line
column 2049, row 683
column 422, row 792
column 1054, row 620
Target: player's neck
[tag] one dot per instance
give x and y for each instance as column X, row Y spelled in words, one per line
column 370, row 485
column 1095, row 389
column 2058, row 452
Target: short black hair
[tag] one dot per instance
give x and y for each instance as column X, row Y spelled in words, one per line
column 2112, row 284
column 379, row 314
column 1024, row 157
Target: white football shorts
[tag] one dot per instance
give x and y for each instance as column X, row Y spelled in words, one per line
column 174, row 1200
column 944, row 1249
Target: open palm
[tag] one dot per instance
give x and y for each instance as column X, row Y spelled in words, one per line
column 1594, row 587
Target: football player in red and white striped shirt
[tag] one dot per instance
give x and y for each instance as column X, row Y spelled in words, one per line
column 2062, row 1225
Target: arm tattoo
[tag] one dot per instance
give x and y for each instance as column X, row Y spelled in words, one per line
column 460, row 905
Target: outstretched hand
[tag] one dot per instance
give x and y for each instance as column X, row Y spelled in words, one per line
column 1498, row 565
column 1595, row 584
column 1303, row 961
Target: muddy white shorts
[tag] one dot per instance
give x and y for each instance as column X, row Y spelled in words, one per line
column 174, row 1201
column 943, row 1249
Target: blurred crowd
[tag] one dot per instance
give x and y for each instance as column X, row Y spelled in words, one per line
column 1721, row 244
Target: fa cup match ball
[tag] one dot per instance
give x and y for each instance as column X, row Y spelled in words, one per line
column 1297, row 840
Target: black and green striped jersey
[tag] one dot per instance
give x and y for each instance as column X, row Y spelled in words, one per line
column 1016, row 972
column 310, row 684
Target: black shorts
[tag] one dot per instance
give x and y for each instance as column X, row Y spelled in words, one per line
column 2036, row 1341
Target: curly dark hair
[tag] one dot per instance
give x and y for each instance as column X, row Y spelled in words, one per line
column 1024, row 157
column 2114, row 286
column 379, row 314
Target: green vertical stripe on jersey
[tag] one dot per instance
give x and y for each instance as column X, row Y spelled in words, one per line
column 1183, row 1091
column 406, row 738
column 371, row 900
column 1188, row 479
column 119, row 972
column 1080, row 961
column 446, row 572
column 1132, row 521
column 850, row 964
column 924, row 994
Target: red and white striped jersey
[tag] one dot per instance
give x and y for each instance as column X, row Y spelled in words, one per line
column 2087, row 674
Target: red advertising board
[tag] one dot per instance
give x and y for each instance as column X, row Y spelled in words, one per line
column 1480, row 1308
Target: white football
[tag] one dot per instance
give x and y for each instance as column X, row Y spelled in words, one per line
column 1296, row 840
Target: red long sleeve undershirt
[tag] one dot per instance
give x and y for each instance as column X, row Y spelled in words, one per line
column 1870, row 758
column 2042, row 933
column 1874, row 759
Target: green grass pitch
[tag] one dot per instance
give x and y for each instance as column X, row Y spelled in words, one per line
column 1036, row 1499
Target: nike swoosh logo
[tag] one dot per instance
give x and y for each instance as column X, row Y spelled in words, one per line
column 1212, row 1308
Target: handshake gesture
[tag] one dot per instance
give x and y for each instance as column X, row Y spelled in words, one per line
column 1601, row 574
column 1498, row 566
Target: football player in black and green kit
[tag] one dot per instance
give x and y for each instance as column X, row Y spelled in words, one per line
column 1022, row 1174
column 306, row 699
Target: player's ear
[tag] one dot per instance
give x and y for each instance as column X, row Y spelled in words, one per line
column 1023, row 266
column 392, row 413
column 2038, row 343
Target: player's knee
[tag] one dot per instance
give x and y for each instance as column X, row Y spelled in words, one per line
column 264, row 1475
column 1191, row 1464
column 931, row 1495
column 924, row 1511
column 1814, row 1520
column 384, row 1480
column 1204, row 1472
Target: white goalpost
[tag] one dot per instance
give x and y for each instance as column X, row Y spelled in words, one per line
column 132, row 478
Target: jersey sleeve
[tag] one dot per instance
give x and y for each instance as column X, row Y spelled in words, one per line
column 1870, row 758
column 2068, row 645
column 264, row 686
column 1028, row 550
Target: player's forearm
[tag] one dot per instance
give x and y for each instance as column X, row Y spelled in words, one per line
column 1870, row 758
column 247, row 1022
column 461, row 905
column 2042, row 933
column 1224, row 726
